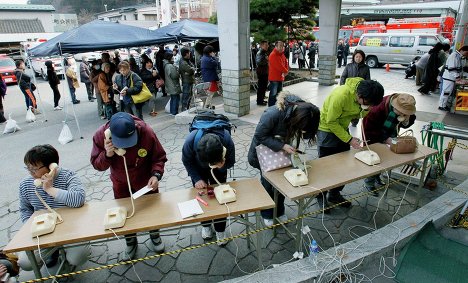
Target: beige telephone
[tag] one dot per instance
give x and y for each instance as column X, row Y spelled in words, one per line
column 45, row 223
column 297, row 176
column 223, row 193
column 108, row 135
column 116, row 216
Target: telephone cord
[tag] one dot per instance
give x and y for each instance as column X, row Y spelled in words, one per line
column 129, row 187
column 59, row 217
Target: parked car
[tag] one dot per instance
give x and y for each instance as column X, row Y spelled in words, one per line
column 7, row 69
column 91, row 56
column 39, row 68
column 395, row 48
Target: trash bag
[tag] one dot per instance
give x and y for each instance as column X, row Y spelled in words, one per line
column 11, row 126
column 65, row 135
column 30, row 117
column 168, row 106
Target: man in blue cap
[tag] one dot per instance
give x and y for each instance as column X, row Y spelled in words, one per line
column 145, row 158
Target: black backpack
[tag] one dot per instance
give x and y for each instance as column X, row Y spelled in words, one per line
column 209, row 122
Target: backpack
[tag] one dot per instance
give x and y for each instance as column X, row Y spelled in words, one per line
column 209, row 122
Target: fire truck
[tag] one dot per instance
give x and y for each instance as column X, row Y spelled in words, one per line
column 440, row 25
column 365, row 27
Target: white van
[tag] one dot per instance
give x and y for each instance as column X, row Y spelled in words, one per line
column 395, row 48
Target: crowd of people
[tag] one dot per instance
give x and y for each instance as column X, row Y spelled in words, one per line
column 111, row 81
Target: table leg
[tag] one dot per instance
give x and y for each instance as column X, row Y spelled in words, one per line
column 421, row 181
column 34, row 264
column 300, row 212
column 247, row 230
column 275, row 210
column 258, row 237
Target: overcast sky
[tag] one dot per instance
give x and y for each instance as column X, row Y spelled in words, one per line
column 13, row 1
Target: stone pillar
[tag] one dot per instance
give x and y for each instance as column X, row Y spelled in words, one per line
column 329, row 25
column 234, row 39
column 462, row 19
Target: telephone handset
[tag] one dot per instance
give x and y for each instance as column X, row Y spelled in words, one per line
column 223, row 193
column 45, row 223
column 116, row 216
column 108, row 135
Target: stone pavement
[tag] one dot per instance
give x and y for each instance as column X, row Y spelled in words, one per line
column 213, row 263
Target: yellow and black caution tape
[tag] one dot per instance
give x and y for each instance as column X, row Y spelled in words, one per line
column 109, row 266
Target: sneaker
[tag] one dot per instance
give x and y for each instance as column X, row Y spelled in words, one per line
column 52, row 259
column 444, row 108
column 372, row 191
column 36, row 112
column 156, row 245
column 380, row 182
column 206, row 233
column 283, row 218
column 76, row 101
column 321, row 205
column 57, row 108
column 221, row 236
column 338, row 198
column 268, row 222
column 129, row 253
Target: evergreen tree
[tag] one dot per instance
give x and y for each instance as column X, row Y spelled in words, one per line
column 271, row 19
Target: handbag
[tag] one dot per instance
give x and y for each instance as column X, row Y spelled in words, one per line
column 404, row 143
column 143, row 96
column 270, row 160
column 159, row 83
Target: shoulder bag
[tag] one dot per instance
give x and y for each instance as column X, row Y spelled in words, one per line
column 143, row 96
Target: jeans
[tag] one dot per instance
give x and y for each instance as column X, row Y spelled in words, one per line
column 108, row 110
column 268, row 213
column 135, row 109
column 275, row 88
column 262, row 87
column 186, row 95
column 72, row 94
column 89, row 90
column 326, row 151
column 29, row 98
column 56, row 92
column 175, row 100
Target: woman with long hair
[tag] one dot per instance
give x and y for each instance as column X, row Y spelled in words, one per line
column 282, row 127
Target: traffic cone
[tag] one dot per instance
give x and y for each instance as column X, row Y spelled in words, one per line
column 387, row 68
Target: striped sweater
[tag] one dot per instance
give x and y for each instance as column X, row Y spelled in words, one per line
column 71, row 193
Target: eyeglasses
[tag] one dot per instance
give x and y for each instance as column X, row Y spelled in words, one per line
column 33, row 170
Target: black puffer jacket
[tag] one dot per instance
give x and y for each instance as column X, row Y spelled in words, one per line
column 355, row 70
column 271, row 128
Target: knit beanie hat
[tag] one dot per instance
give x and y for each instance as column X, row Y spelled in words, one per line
column 405, row 103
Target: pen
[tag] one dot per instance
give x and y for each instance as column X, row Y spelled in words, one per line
column 201, row 201
column 457, row 221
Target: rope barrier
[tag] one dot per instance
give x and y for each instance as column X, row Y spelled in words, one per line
column 109, row 266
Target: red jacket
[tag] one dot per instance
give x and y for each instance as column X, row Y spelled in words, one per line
column 278, row 66
column 374, row 120
column 140, row 167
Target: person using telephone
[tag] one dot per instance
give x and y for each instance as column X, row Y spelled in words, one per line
column 345, row 103
column 145, row 158
column 60, row 188
column 213, row 150
column 383, row 123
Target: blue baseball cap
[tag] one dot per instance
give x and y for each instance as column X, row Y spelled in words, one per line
column 124, row 134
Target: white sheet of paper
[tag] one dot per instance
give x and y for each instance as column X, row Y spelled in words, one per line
column 189, row 208
column 141, row 192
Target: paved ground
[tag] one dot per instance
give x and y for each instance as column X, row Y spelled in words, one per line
column 209, row 263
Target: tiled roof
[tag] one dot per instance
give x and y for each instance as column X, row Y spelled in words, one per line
column 21, row 26
column 24, row 7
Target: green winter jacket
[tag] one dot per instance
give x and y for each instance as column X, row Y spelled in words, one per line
column 339, row 108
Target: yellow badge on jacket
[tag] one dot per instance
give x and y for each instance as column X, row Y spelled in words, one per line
column 142, row 152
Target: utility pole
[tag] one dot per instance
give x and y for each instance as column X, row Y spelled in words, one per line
column 158, row 19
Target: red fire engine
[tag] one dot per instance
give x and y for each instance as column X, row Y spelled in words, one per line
column 440, row 25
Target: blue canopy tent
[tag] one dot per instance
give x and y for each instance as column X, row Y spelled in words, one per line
column 97, row 35
column 186, row 30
